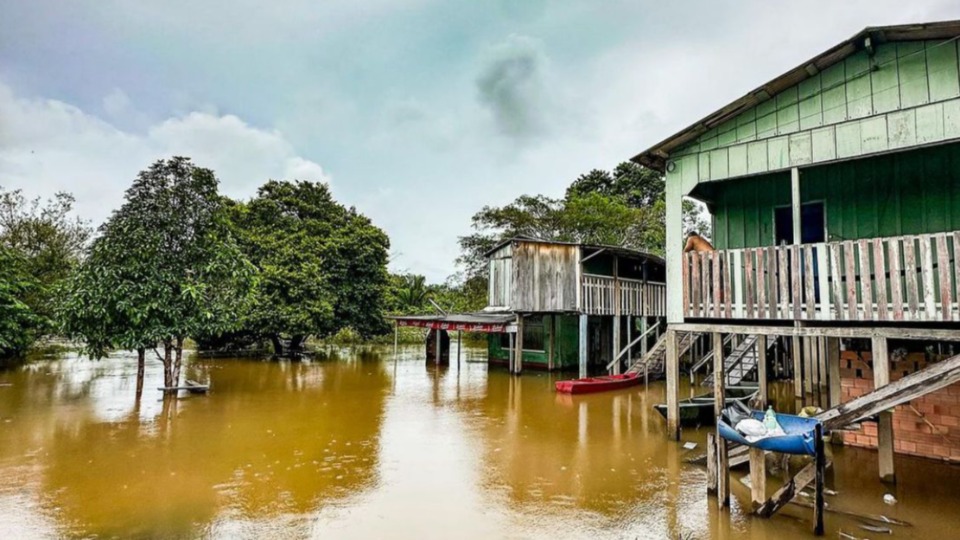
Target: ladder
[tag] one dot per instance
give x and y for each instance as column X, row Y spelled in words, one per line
column 654, row 362
column 741, row 362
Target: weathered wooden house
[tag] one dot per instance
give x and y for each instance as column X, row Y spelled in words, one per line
column 577, row 305
column 563, row 306
column 835, row 195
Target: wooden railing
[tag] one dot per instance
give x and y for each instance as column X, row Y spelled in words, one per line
column 903, row 278
column 635, row 297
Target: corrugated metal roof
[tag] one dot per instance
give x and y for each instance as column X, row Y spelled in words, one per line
column 613, row 249
column 655, row 157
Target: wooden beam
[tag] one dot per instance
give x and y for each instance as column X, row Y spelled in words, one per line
column 518, row 357
column 762, row 376
column 673, row 385
column 719, row 393
column 833, row 370
column 930, row 379
column 863, row 332
column 881, row 377
column 797, row 366
column 758, row 477
column 616, row 339
column 820, row 463
column 583, row 346
column 711, row 462
column 788, row 491
column 795, row 204
column 808, row 374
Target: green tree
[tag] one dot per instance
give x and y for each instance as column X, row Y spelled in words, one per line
column 47, row 241
column 322, row 266
column 19, row 324
column 163, row 268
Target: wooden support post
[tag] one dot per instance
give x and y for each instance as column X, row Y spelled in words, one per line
column 518, row 356
column 438, row 346
column 762, row 376
column 822, row 359
column 552, row 342
column 797, row 367
column 512, row 352
column 821, row 464
column 396, row 339
column 583, row 345
column 723, row 472
column 629, row 340
column 719, row 392
column 673, row 385
column 808, row 374
column 643, row 330
column 616, row 344
column 711, row 463
column 881, row 377
column 459, row 345
column 758, row 477
column 833, row 370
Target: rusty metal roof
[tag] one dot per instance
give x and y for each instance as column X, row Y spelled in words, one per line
column 655, row 157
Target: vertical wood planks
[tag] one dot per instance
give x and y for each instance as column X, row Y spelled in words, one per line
column 750, row 281
column 735, row 269
column 687, row 262
column 705, row 284
column 823, row 271
column 910, row 267
column 808, row 290
column 896, row 288
column 761, row 285
column 880, row 273
column 727, row 266
column 943, row 263
column 796, row 262
column 716, row 256
column 783, row 277
column 926, row 271
column 836, row 275
column 956, row 268
column 695, row 282
column 771, row 282
column 866, row 289
column 851, row 280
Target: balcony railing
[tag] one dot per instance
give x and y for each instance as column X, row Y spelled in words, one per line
column 903, row 278
column 635, row 297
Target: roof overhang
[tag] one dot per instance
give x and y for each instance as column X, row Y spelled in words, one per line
column 466, row 322
column 656, row 156
column 622, row 251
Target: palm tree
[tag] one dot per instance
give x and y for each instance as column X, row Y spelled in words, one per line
column 414, row 293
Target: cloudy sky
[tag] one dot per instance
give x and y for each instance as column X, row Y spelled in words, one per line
column 416, row 112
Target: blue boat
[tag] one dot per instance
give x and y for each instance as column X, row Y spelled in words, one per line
column 799, row 432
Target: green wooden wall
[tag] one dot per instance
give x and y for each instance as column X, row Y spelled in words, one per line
column 566, row 344
column 893, row 194
column 906, row 94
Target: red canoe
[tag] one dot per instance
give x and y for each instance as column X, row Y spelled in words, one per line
column 598, row 384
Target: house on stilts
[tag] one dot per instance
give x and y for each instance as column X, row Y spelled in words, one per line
column 835, row 195
column 564, row 306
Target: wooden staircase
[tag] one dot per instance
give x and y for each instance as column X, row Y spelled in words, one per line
column 654, row 361
column 740, row 363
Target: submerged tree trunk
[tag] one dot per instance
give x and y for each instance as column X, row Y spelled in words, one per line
column 167, row 364
column 141, row 361
column 277, row 345
column 178, row 350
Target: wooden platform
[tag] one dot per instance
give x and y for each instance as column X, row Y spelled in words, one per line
column 191, row 386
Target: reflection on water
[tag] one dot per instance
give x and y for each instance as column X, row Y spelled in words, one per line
column 357, row 445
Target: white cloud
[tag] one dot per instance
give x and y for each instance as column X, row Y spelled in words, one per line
column 47, row 145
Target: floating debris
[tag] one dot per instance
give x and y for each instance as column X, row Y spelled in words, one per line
column 875, row 529
column 689, row 445
column 890, row 499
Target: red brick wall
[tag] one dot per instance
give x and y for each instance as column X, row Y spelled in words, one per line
column 911, row 435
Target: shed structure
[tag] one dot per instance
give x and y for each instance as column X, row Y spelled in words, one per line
column 577, row 305
column 835, row 195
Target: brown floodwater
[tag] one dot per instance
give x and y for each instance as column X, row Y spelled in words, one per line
column 357, row 445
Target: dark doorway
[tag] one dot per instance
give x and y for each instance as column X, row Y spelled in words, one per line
column 812, row 224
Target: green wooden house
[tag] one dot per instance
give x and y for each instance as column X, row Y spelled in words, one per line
column 835, row 195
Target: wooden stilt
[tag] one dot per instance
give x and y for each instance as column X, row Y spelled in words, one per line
column 822, row 358
column 833, row 370
column 821, row 464
column 808, row 374
column 616, row 343
column 762, row 375
column 396, row 339
column 719, row 392
column 552, row 342
column 459, row 345
column 513, row 352
column 629, row 340
column 583, row 346
column 438, row 346
column 881, row 377
column 673, row 386
column 797, row 367
column 518, row 356
column 758, row 478
column 711, row 463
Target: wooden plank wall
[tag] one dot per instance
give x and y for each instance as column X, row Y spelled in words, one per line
column 544, row 277
column 902, row 278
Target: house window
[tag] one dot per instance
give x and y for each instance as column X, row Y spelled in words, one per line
column 533, row 334
column 505, row 341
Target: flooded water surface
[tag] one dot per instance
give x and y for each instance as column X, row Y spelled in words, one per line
column 359, row 444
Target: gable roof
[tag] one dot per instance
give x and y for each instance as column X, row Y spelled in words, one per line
column 619, row 250
column 656, row 156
